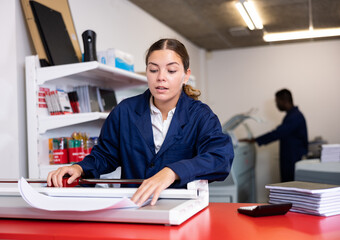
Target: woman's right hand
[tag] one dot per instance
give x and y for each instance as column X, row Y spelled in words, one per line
column 56, row 176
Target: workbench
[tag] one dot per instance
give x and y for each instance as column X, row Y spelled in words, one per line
column 218, row 221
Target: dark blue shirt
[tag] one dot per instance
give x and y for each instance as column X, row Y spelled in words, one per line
column 293, row 137
column 194, row 147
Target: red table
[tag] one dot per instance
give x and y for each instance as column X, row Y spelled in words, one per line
column 218, row 221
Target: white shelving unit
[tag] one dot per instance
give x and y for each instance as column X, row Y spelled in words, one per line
column 41, row 127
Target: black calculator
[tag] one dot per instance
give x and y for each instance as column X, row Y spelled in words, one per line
column 265, row 210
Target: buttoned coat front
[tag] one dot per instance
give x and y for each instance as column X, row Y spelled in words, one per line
column 194, row 147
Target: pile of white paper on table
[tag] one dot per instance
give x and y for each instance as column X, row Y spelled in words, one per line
column 330, row 153
column 309, row 198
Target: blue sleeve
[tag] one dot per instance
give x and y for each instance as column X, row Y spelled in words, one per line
column 214, row 154
column 289, row 125
column 104, row 156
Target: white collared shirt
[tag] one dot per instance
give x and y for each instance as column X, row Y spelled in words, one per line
column 159, row 127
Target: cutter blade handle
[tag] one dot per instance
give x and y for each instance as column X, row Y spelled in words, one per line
column 65, row 184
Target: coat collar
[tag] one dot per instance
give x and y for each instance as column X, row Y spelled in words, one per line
column 292, row 110
column 180, row 118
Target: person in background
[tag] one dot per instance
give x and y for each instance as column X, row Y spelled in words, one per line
column 292, row 134
column 165, row 135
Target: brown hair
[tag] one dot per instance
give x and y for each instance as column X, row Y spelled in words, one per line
column 179, row 48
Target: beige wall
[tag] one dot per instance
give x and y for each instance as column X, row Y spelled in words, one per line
column 238, row 80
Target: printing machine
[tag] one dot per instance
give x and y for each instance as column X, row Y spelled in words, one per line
column 314, row 170
column 240, row 185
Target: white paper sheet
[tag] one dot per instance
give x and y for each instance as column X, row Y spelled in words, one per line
column 41, row 201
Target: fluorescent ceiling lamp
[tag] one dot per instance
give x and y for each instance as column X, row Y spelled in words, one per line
column 253, row 14
column 284, row 36
column 249, row 14
column 245, row 16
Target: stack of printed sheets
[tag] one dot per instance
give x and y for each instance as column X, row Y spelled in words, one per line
column 306, row 197
column 330, row 153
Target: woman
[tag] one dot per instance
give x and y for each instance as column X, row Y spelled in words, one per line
column 164, row 135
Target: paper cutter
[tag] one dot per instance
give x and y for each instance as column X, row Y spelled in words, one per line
column 173, row 208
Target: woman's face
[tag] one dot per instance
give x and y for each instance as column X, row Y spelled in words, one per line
column 166, row 76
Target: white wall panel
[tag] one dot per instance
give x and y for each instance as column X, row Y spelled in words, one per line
column 8, row 98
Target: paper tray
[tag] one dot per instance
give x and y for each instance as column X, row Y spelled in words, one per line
column 166, row 211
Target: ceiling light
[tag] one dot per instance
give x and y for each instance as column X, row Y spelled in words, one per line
column 245, row 16
column 249, row 14
column 253, row 14
column 284, row 36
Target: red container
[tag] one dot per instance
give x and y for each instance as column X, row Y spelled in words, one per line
column 60, row 155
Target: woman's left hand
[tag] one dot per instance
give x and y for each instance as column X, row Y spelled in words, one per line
column 154, row 186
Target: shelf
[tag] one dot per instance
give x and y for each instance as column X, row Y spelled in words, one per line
column 88, row 72
column 52, row 122
column 41, row 127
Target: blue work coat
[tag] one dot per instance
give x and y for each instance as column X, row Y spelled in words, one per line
column 293, row 137
column 194, row 147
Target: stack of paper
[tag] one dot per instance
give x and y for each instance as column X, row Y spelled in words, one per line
column 306, row 197
column 330, row 153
